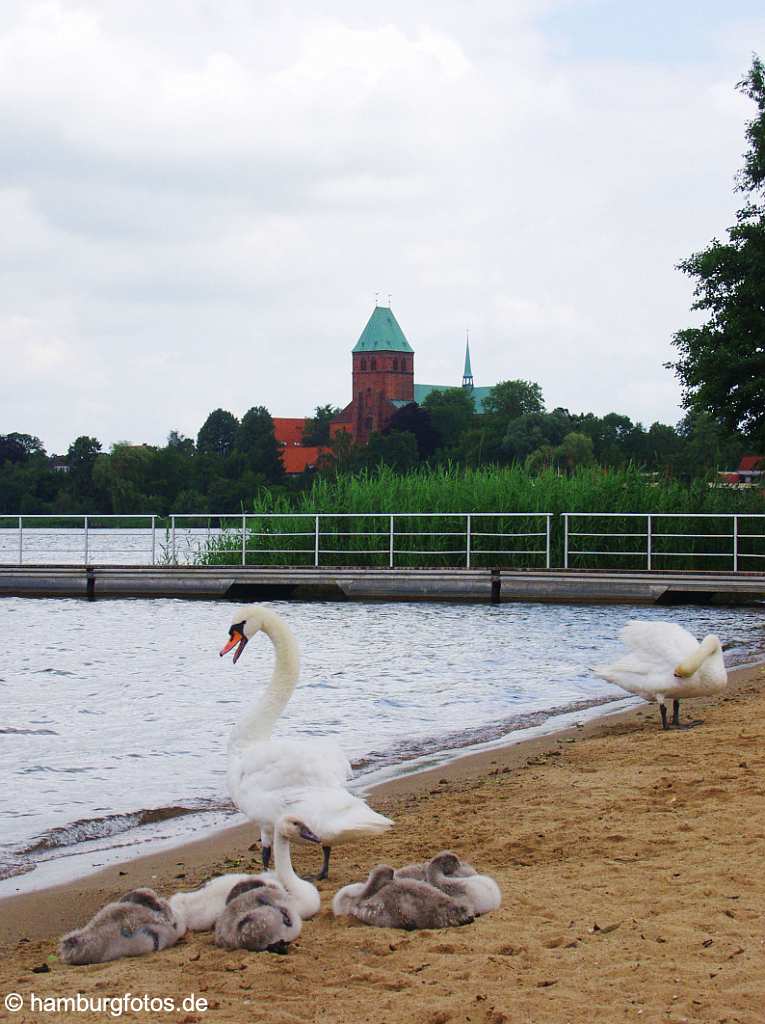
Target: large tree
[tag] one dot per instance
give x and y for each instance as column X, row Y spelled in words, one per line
column 218, row 433
column 316, row 427
column 256, row 440
column 721, row 365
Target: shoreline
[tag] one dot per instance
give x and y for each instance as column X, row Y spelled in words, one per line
column 631, row 862
column 85, row 893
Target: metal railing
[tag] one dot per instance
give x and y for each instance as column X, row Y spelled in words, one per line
column 578, row 540
column 255, row 538
column 660, row 533
column 79, row 539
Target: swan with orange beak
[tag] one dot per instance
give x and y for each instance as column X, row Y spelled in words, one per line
column 269, row 778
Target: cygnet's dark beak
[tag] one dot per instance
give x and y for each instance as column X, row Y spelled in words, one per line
column 308, row 835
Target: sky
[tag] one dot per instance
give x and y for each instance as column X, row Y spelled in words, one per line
column 199, row 199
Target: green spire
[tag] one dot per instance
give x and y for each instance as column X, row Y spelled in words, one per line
column 467, row 373
column 382, row 334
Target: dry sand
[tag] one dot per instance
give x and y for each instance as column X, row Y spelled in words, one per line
column 632, row 864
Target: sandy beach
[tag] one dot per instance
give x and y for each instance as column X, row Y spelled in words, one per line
column 632, row 864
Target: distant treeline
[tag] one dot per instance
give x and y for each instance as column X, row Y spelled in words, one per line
column 234, row 464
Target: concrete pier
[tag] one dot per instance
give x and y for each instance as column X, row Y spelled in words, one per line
column 250, row 583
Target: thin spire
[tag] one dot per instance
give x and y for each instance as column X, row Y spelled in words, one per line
column 467, row 373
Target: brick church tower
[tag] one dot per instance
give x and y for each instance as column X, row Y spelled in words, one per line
column 383, row 377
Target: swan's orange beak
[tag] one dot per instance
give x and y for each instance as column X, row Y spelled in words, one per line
column 235, row 638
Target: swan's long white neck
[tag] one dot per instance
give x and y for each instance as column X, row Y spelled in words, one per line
column 301, row 890
column 709, row 646
column 259, row 721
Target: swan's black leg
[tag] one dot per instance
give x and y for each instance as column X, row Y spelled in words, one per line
column 266, row 856
column 664, row 722
column 676, row 712
column 324, row 873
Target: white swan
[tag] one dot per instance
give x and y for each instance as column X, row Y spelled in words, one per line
column 201, row 908
column 666, row 662
column 303, row 778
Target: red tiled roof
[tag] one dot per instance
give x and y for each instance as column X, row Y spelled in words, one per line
column 295, row 459
column 750, row 462
column 289, row 430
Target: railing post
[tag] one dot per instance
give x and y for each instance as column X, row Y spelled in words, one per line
column 86, row 540
column 174, row 560
column 153, row 540
column 390, row 544
column 735, row 543
column 548, row 517
column 565, row 540
column 316, row 541
column 21, row 541
column 648, row 540
column 468, row 545
column 244, row 539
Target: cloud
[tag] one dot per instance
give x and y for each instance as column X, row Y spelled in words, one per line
column 199, row 202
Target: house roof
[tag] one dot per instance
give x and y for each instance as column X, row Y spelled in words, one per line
column 751, row 462
column 382, row 334
column 289, row 430
column 296, row 460
column 421, row 392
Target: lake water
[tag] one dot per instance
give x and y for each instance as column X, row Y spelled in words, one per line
column 134, row 545
column 114, row 715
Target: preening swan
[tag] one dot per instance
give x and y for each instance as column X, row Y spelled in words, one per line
column 141, row 922
column 666, row 663
column 258, row 917
column 201, row 908
column 385, row 901
column 270, row 778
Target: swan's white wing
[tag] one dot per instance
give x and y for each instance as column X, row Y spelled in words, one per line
column 659, row 643
column 334, row 814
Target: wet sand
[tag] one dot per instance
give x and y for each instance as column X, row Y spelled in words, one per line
column 632, row 864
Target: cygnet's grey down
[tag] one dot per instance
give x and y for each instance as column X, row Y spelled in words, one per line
column 480, row 891
column 259, row 917
column 385, row 901
column 140, row 922
column 455, row 867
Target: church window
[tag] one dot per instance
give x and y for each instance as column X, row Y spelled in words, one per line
column 395, row 363
column 363, row 364
column 374, row 364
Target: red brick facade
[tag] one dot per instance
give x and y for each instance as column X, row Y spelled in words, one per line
column 379, row 380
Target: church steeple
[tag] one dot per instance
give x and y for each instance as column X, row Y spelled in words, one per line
column 467, row 373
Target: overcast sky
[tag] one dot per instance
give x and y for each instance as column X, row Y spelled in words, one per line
column 200, row 198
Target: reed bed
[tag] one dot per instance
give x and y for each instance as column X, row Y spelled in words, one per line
column 359, row 538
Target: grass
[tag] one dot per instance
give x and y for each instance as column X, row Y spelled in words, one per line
column 439, row 539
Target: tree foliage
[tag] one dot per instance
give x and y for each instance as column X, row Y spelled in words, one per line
column 721, row 365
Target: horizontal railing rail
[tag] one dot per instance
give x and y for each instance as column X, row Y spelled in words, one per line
column 652, row 542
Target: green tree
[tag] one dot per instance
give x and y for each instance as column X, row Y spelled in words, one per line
column 81, row 458
column 396, row 448
column 452, row 413
column 256, row 440
column 721, row 365
column 512, row 398
column 316, row 427
column 217, row 434
column 575, row 450
column 414, row 419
